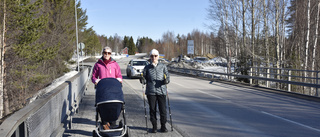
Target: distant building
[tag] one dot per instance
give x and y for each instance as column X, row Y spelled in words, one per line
column 125, row 50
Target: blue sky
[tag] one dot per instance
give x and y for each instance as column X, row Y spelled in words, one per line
column 148, row 18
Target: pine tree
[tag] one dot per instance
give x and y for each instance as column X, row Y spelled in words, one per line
column 126, row 41
column 92, row 42
column 132, row 47
column 25, row 52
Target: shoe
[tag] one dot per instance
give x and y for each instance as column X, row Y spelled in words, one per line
column 154, row 130
column 163, row 129
column 106, row 126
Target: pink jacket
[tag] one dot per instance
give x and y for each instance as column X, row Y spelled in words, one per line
column 101, row 70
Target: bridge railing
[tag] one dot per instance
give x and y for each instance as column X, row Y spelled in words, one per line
column 50, row 114
column 304, row 76
column 263, row 77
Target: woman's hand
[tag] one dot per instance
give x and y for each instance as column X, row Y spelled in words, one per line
column 97, row 81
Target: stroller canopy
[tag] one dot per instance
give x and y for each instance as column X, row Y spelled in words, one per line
column 109, row 89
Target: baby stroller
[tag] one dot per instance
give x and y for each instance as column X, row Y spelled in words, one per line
column 109, row 106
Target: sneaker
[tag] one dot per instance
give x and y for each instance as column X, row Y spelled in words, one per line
column 163, row 129
column 154, row 130
column 154, row 127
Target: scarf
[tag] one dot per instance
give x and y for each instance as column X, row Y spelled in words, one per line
column 106, row 61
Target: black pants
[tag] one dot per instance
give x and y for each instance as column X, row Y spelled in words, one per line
column 161, row 101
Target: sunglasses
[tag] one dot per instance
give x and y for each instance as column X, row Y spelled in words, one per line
column 154, row 56
column 109, row 53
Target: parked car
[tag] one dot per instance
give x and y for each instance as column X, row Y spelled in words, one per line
column 165, row 61
column 135, row 67
column 201, row 59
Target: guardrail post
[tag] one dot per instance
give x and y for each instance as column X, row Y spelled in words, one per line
column 289, row 79
column 268, row 76
column 251, row 76
column 257, row 75
column 317, row 81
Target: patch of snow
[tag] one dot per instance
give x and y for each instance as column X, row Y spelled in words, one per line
column 218, row 60
column 219, row 69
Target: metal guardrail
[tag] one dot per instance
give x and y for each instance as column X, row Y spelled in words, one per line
column 50, row 114
column 230, row 76
column 289, row 75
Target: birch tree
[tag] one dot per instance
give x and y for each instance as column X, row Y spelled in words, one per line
column 266, row 37
column 315, row 43
column 307, row 42
column 4, row 108
column 252, row 30
column 277, row 39
column 244, row 8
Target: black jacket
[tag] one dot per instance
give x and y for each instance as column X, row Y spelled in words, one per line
column 155, row 79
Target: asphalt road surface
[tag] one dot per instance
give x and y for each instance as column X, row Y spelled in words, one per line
column 202, row 108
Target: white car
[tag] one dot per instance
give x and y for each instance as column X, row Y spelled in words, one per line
column 135, row 67
column 201, row 59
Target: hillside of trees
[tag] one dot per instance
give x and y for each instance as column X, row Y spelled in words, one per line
column 38, row 39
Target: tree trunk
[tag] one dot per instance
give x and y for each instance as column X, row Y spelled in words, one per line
column 252, row 32
column 307, row 42
column 243, row 54
column 266, row 40
column 4, row 96
column 315, row 44
column 277, row 41
column 283, row 33
column 226, row 33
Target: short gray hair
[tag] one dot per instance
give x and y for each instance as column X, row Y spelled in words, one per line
column 107, row 47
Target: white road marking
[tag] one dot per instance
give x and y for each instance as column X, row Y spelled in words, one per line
column 179, row 84
column 210, row 94
column 291, row 121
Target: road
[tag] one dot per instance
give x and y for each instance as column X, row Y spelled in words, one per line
column 214, row 109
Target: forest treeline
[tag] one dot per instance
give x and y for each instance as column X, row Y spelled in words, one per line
column 38, row 39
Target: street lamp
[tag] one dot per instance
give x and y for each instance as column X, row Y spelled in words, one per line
column 75, row 12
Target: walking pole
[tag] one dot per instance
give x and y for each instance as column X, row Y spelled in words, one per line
column 145, row 108
column 169, row 111
column 165, row 77
column 144, row 103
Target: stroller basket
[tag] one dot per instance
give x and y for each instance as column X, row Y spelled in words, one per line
column 110, row 111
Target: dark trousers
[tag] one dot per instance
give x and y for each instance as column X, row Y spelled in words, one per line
column 159, row 100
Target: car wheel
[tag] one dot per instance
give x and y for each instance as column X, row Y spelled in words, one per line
column 127, row 73
column 130, row 75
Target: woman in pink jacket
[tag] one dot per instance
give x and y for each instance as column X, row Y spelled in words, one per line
column 106, row 67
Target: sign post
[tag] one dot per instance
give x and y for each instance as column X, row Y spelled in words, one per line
column 81, row 47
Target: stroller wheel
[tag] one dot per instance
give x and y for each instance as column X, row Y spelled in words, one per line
column 94, row 134
column 128, row 133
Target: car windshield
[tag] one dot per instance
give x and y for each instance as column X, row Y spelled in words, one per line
column 203, row 59
column 139, row 63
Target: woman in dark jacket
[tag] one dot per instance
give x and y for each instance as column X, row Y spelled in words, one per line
column 156, row 76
